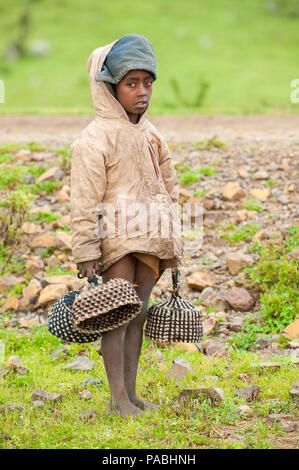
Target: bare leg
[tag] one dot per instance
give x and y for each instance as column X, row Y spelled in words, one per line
column 145, row 279
column 113, row 348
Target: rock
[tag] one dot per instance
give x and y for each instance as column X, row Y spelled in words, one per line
column 187, row 347
column 30, row 228
column 29, row 322
column 267, row 365
column 91, row 381
column 236, row 325
column 9, row 281
column 293, row 344
column 260, row 235
column 239, row 299
column 232, row 192
column 51, row 293
column 80, row 363
column 63, row 195
column 88, row 415
column 85, row 395
column 261, row 194
column 15, row 363
column 244, row 410
column 237, row 261
column 30, row 294
column 250, row 393
column 214, row 348
column 243, row 173
column 34, row 265
column 184, row 195
column 64, row 221
column 294, row 392
column 216, row 395
column 44, row 241
column 262, row 343
column 241, row 215
column 261, row 175
column 69, row 281
column 200, row 280
column 14, row 406
column 11, row 303
column 294, row 253
column 284, row 420
column 179, row 369
column 292, row 330
column 64, row 239
column 59, row 353
column 209, row 325
column 210, row 377
column 52, row 174
column 46, row 396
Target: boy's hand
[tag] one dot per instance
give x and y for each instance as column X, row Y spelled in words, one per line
column 87, row 268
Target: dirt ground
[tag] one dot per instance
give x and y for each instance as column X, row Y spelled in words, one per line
column 57, row 131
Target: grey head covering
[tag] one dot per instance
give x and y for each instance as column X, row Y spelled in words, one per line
column 131, row 52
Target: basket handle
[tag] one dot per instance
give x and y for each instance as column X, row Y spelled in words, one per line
column 175, row 281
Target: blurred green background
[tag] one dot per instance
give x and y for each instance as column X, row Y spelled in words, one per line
column 216, row 56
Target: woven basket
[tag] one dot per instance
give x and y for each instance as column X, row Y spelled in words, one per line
column 174, row 320
column 106, row 306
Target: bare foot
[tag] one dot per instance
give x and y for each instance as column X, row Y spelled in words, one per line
column 144, row 405
column 124, row 409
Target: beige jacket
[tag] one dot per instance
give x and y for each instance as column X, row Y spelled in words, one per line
column 119, row 169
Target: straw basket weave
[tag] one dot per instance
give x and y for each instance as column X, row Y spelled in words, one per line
column 175, row 319
column 82, row 316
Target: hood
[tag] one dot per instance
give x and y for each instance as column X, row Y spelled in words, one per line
column 104, row 102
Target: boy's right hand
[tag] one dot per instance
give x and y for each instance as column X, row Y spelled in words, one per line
column 87, row 268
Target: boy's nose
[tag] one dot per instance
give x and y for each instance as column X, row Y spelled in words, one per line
column 142, row 91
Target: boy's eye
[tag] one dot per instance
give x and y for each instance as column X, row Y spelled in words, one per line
column 131, row 84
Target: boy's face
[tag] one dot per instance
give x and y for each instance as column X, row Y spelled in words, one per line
column 134, row 92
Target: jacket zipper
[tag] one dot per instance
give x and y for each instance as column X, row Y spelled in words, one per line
column 154, row 160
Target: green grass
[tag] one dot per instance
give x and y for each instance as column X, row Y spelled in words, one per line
column 235, row 48
column 187, row 425
column 252, row 205
column 42, row 217
column 276, row 275
column 245, row 233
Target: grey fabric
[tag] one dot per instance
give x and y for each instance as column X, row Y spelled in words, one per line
column 131, row 52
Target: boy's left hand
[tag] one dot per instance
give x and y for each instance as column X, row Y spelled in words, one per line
column 87, row 268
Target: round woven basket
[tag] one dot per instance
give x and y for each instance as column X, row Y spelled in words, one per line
column 105, row 307
column 174, row 320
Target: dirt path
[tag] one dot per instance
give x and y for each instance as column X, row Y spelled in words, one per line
column 60, row 130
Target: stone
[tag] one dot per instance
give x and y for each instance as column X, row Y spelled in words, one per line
column 261, row 194
column 294, row 253
column 85, row 395
column 64, row 221
column 52, row 174
column 59, row 353
column 30, row 228
column 292, row 330
column 237, row 261
column 30, row 294
column 46, row 396
column 179, row 369
column 14, row 406
column 64, row 194
column 34, row 265
column 241, row 215
column 44, row 241
column 260, row 235
column 15, row 363
column 239, row 299
column 232, row 192
column 285, row 421
column 38, row 404
column 209, row 325
column 80, row 363
column 64, row 239
column 184, row 195
column 261, row 175
column 89, row 414
column 236, row 325
column 294, row 392
column 262, row 343
column 91, row 381
column 187, row 347
column 214, row 348
column 11, row 303
column 293, row 344
column 267, row 365
column 29, row 322
column 200, row 280
column 244, row 410
column 51, row 293
column 9, row 281
column 71, row 282
column 250, row 393
column 210, row 377
column 216, row 395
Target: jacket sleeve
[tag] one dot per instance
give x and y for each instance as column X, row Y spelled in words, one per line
column 168, row 172
column 88, row 186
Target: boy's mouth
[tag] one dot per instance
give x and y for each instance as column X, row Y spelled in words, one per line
column 140, row 104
